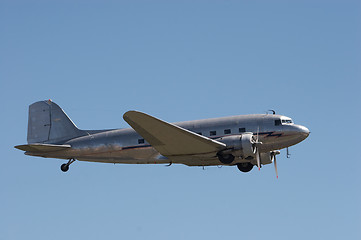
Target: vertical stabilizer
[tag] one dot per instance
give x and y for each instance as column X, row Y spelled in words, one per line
column 48, row 123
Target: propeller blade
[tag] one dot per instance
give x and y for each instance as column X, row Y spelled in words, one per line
column 256, row 145
column 258, row 157
column 275, row 163
column 258, row 160
column 257, row 133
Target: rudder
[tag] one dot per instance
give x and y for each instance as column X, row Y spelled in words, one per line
column 48, row 123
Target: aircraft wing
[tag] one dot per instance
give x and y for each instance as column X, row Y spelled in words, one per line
column 169, row 139
column 40, row 147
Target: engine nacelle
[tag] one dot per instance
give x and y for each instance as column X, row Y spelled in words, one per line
column 240, row 145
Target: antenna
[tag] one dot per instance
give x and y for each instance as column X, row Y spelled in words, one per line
column 273, row 111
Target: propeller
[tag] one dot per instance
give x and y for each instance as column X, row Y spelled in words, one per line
column 275, row 162
column 258, row 160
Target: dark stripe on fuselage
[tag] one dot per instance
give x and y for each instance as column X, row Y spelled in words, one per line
column 270, row 134
column 134, row 147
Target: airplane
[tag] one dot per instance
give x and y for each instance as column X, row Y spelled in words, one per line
column 244, row 141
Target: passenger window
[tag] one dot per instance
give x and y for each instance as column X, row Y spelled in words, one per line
column 278, row 122
column 241, row 130
column 227, row 131
column 140, row 141
column 213, row 133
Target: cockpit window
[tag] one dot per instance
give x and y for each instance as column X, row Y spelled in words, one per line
column 283, row 121
column 286, row 121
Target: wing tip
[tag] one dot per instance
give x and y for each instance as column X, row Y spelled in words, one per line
column 19, row 147
column 133, row 113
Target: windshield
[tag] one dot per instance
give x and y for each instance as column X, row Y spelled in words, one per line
column 287, row 121
column 283, row 121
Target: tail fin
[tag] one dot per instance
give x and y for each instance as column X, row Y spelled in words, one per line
column 48, row 123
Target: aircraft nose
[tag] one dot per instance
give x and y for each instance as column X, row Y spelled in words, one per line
column 303, row 131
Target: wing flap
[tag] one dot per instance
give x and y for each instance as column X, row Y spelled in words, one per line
column 39, row 147
column 169, row 139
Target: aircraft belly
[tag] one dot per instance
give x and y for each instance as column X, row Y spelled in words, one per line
column 141, row 155
column 147, row 155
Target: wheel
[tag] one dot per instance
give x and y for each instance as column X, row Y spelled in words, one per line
column 225, row 159
column 245, row 167
column 64, row 167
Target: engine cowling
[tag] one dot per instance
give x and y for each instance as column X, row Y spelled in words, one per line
column 240, row 145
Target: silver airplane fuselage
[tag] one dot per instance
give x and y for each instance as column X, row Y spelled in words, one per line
column 127, row 146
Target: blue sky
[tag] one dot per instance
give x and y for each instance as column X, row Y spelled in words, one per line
column 183, row 60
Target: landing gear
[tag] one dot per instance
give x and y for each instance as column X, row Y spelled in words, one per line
column 65, row 167
column 245, row 167
column 226, row 158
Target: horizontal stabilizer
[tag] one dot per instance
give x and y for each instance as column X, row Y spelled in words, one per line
column 39, row 147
